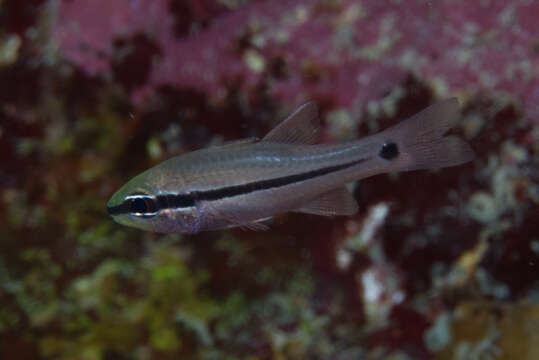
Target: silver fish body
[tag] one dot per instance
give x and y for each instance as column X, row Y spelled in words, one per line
column 243, row 184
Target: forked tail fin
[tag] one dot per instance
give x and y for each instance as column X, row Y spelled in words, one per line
column 419, row 142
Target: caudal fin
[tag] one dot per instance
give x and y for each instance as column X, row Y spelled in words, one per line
column 419, row 142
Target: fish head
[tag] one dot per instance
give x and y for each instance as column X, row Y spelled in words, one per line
column 144, row 203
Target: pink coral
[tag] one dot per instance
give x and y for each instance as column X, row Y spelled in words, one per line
column 348, row 52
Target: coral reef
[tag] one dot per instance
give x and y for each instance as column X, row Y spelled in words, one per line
column 436, row 265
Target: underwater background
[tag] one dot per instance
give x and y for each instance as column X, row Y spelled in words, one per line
column 436, row 265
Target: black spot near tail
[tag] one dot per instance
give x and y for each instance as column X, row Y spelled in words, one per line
column 389, row 151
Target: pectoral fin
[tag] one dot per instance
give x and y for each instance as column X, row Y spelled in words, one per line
column 235, row 221
column 335, row 202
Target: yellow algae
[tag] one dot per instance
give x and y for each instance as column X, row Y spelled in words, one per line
column 491, row 330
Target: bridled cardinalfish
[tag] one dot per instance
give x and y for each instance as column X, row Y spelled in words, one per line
column 247, row 182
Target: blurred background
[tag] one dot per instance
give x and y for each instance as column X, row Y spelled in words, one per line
column 436, row 265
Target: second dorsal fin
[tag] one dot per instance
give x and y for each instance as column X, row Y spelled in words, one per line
column 300, row 127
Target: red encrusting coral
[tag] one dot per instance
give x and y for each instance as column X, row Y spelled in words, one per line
column 346, row 52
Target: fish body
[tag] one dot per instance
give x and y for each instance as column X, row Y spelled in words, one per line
column 242, row 184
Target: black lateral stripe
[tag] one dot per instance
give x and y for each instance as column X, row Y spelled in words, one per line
column 243, row 189
column 179, row 201
column 171, row 201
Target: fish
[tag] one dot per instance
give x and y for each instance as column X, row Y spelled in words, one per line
column 247, row 182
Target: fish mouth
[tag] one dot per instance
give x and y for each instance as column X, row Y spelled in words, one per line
column 122, row 208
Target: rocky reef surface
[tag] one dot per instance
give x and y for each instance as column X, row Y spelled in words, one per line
column 436, row 265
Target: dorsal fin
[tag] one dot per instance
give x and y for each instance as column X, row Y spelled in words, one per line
column 240, row 142
column 335, row 202
column 300, row 127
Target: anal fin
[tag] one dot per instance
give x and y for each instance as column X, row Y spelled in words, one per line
column 256, row 225
column 335, row 202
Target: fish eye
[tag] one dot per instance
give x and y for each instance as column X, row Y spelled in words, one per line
column 142, row 205
column 138, row 206
column 389, row 150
